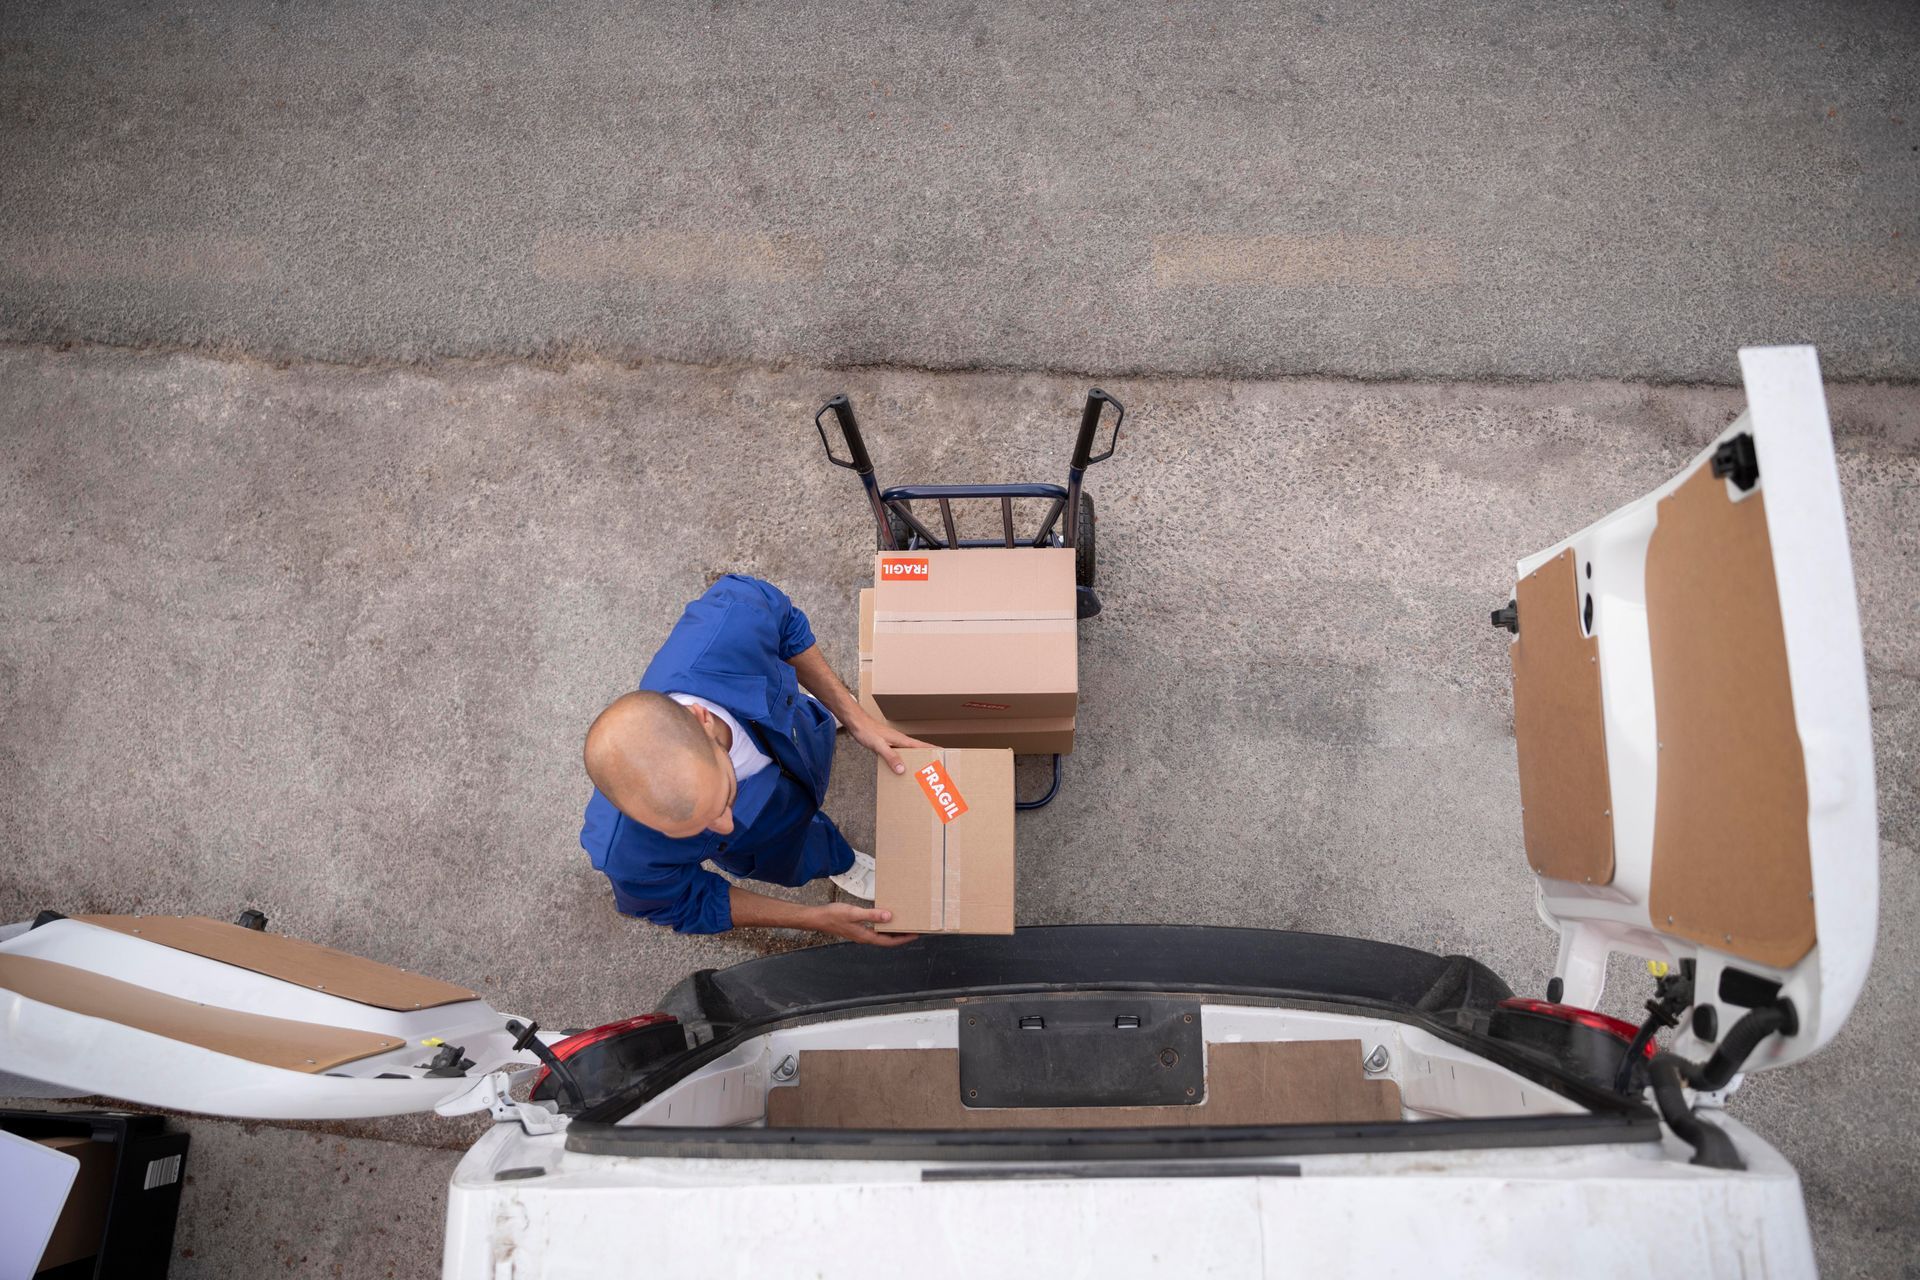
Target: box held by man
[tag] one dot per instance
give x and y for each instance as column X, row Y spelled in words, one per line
column 943, row 842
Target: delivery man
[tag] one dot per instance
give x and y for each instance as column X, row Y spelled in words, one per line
column 719, row 756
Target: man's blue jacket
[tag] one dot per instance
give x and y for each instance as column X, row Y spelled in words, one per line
column 731, row 647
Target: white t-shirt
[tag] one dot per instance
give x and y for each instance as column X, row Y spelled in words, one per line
column 747, row 759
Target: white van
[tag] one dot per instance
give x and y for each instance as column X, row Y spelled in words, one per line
column 1696, row 773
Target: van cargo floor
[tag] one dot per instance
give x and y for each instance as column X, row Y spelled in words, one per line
column 1259, row 1083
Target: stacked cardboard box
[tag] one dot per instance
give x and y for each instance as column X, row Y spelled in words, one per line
column 977, row 652
column 974, row 648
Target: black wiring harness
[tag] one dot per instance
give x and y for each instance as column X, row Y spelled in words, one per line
column 1672, row 1074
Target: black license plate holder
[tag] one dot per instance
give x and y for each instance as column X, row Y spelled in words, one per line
column 1081, row 1051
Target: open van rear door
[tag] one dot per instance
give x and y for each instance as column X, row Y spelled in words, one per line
column 198, row 1015
column 1691, row 715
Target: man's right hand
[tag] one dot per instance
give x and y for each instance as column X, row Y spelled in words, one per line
column 855, row 924
column 841, row 919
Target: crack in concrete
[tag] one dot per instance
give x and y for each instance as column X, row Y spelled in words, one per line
column 634, row 363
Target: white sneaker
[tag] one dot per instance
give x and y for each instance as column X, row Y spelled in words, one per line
column 857, row 880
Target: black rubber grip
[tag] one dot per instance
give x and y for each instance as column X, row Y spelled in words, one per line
column 1097, row 401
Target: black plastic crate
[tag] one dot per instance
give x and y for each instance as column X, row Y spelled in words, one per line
column 144, row 1205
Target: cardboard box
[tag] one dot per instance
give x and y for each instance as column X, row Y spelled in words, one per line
column 83, row 1220
column 1044, row 735
column 943, row 842
column 1028, row 735
column 988, row 633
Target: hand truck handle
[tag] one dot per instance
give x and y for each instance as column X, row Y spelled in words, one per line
column 1097, row 400
column 842, row 407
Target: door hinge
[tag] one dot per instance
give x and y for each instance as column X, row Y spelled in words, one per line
column 494, row 1095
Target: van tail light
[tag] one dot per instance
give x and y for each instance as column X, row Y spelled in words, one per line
column 1622, row 1031
column 573, row 1044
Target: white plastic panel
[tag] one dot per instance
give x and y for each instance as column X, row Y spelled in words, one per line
column 37, row 1179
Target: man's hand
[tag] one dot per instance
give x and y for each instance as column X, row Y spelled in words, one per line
column 855, row 924
column 841, row 919
column 876, row 737
column 883, row 740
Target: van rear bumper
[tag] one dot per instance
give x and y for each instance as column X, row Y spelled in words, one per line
column 1267, row 963
column 1449, row 996
column 1586, row 1211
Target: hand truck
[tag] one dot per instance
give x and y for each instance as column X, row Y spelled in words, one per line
column 1069, row 519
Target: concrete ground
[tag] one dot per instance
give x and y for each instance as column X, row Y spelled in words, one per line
column 323, row 642
column 1519, row 188
column 284, row 625
column 359, row 1207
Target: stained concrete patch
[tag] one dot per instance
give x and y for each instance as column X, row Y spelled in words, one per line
column 1289, row 262
column 674, row 256
column 324, row 643
column 1883, row 269
column 140, row 260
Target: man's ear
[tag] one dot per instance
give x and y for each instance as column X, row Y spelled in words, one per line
column 701, row 716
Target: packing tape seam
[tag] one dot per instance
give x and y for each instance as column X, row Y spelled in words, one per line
column 937, row 884
column 1060, row 620
column 950, row 856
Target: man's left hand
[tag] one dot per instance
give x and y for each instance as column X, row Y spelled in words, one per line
column 884, row 741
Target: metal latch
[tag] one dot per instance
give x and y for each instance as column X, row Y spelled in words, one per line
column 494, row 1095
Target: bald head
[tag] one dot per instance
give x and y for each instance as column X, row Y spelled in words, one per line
column 659, row 765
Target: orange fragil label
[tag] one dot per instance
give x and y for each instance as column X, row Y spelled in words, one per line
column 905, row 569
column 941, row 793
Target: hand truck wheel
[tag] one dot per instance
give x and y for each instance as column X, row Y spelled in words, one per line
column 902, row 531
